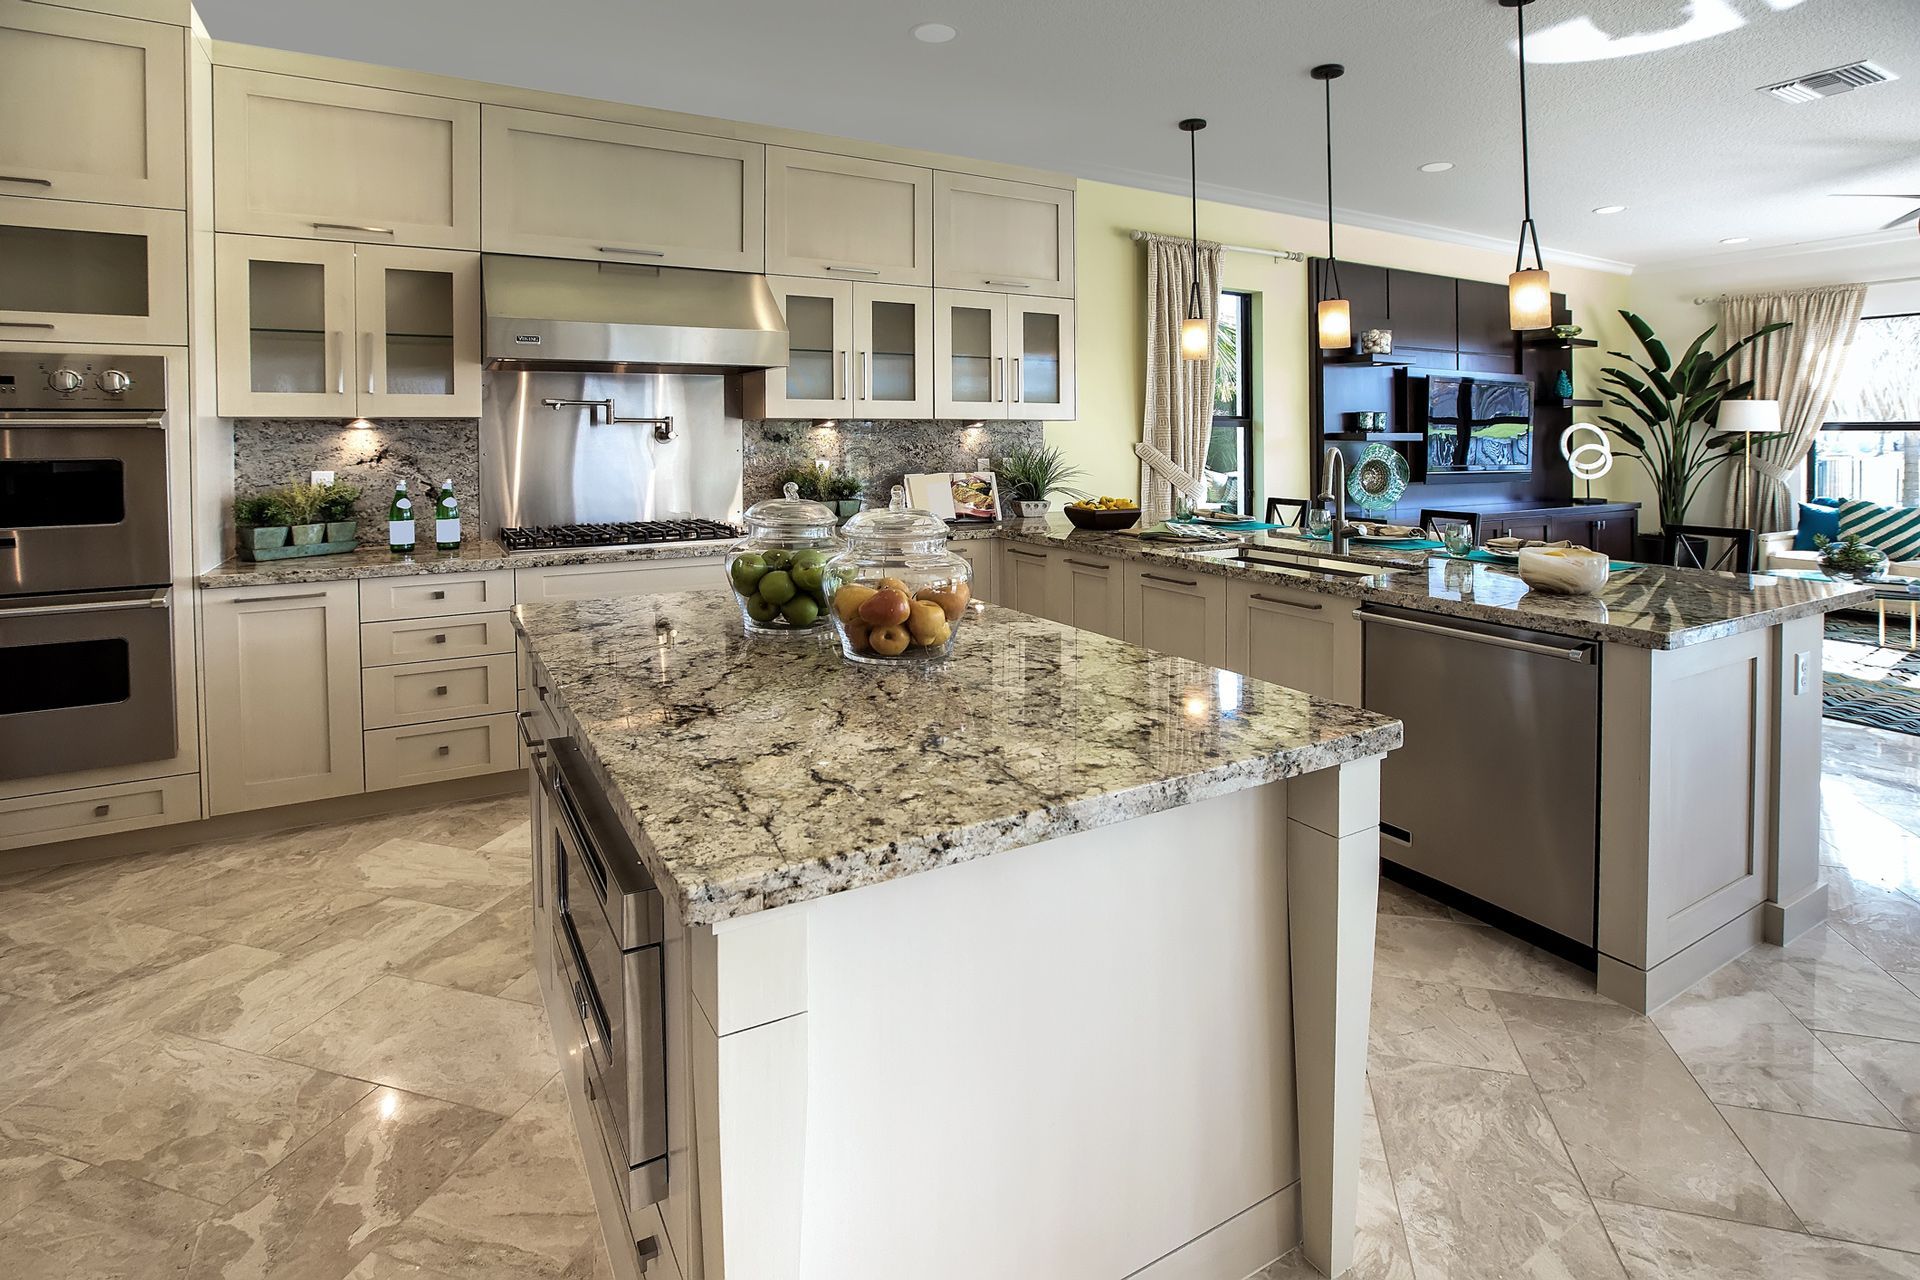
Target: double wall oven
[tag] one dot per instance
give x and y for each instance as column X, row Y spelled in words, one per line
column 86, row 605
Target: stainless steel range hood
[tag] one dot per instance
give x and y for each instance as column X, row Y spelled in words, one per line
column 612, row 317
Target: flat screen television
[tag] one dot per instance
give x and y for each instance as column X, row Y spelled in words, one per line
column 1478, row 424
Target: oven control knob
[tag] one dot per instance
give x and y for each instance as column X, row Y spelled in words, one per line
column 65, row 381
column 114, row 382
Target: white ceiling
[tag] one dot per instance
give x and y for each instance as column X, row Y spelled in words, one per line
column 1671, row 125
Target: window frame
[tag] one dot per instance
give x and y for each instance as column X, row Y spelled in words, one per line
column 1242, row 423
column 1901, row 426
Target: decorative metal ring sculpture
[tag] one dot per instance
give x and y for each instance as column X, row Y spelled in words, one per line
column 1587, row 459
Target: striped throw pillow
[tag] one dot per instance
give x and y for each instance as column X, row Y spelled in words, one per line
column 1894, row 530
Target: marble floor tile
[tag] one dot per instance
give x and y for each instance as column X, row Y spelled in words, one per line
column 1657, row 1244
column 1372, row 1147
column 1843, row 1180
column 1911, row 981
column 1397, row 899
column 525, row 989
column 378, row 1266
column 1432, row 1022
column 518, row 1208
column 1380, row 1252
column 1465, row 955
column 423, row 871
column 116, row 885
column 517, row 839
column 61, row 953
column 480, row 1051
column 331, row 1203
column 1636, row 1125
column 1827, row 984
column 1857, row 823
column 486, row 954
column 1890, row 1068
column 183, row 1114
column 1747, row 1050
column 1883, row 924
column 28, row 1172
column 1879, row 755
column 254, row 908
column 1482, row 1180
column 98, row 1225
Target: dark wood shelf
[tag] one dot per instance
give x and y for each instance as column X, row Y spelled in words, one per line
column 1586, row 404
column 1560, row 344
column 1367, row 362
column 1368, row 437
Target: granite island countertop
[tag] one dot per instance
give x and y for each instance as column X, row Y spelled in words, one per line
column 756, row 772
column 476, row 555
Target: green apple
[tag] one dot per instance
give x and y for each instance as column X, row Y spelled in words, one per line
column 760, row 610
column 808, row 558
column 808, row 577
column 777, row 557
column 776, row 587
column 747, row 572
column 801, row 611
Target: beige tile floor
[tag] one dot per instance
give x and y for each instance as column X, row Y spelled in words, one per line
column 320, row 1056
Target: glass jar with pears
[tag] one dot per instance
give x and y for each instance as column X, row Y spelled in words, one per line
column 897, row 593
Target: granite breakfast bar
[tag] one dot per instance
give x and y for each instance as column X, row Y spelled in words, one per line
column 1052, row 960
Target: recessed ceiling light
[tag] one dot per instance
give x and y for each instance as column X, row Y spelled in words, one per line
column 934, row 33
column 1611, row 208
column 1436, row 166
column 1736, row 239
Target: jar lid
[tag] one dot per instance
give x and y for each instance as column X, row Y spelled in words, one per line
column 790, row 512
column 895, row 527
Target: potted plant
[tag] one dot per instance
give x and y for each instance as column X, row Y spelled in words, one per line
column 1849, row 558
column 260, row 522
column 335, row 509
column 303, row 513
column 841, row 491
column 1676, row 402
column 1034, row 473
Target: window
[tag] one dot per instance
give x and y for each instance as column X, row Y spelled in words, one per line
column 1870, row 445
column 1229, row 468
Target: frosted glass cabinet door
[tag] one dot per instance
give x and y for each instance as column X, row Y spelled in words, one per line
column 284, row 328
column 892, row 351
column 418, row 319
column 970, row 354
column 72, row 272
column 94, row 105
column 818, row 379
column 1040, row 369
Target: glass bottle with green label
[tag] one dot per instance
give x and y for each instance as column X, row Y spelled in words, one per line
column 400, row 521
column 446, row 519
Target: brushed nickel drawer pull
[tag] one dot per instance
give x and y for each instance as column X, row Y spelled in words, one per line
column 436, row 595
column 1009, row 284
column 24, row 324
column 102, row 810
column 1290, row 604
column 443, row 750
column 638, row 253
column 440, row 691
column 31, row 182
column 1087, row 564
column 1031, row 555
column 353, row 226
column 441, row 638
column 1178, row 582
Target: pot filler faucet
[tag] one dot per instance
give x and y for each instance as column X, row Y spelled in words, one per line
column 1335, row 491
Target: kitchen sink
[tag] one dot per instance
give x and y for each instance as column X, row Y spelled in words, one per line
column 1290, row 561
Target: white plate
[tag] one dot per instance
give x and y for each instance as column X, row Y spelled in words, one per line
column 1212, row 517
column 1388, row 537
column 1502, row 555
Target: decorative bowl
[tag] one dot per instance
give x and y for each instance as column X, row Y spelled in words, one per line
column 1564, row 571
column 1379, row 478
column 1104, row 519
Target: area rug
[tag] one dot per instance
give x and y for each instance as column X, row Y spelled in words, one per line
column 1869, row 685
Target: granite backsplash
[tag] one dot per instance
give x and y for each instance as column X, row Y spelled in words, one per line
column 879, row 453
column 268, row 453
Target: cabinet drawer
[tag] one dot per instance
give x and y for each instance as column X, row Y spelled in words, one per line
column 98, row 811
column 608, row 581
column 421, row 692
column 409, row 755
column 435, row 595
column 382, row 644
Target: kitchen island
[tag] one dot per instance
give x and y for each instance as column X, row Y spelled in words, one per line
column 1052, row 960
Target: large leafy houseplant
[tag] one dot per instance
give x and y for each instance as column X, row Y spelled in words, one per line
column 1676, row 403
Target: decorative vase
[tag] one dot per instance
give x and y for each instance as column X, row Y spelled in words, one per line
column 1030, row 510
column 1563, row 385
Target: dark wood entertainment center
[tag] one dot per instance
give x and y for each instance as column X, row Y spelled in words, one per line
column 1445, row 325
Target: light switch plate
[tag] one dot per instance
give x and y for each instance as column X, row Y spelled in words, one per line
column 1802, row 667
column 322, row 477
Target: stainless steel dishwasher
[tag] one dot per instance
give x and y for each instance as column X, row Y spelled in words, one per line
column 1496, row 792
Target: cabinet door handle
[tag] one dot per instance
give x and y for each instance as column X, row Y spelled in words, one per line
column 439, row 691
column 638, row 253
column 861, row 390
column 1008, row 284
column 436, row 595
column 366, row 358
column 837, row 375
column 351, row 226
column 301, row 595
column 854, row 271
column 31, row 182
column 1178, row 582
column 1031, row 555
column 443, row 750
column 334, row 342
column 1087, row 564
column 24, row 324
column 999, row 377
column 1287, row 604
column 440, row 639
column 1014, row 386
column 102, row 810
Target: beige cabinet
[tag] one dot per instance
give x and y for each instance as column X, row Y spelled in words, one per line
column 567, row 187
column 92, row 273
column 989, row 233
column 1177, row 612
column 997, row 356
column 607, row 580
column 1305, row 640
column 1026, row 581
column 419, row 692
column 982, row 554
column 854, row 350
column 314, row 158
column 410, row 755
column 282, row 694
column 843, row 216
column 98, row 811
column 95, row 107
column 311, row 329
column 1089, row 592
column 892, row 351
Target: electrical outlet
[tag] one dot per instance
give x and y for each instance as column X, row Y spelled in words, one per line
column 1802, row 668
column 320, row 477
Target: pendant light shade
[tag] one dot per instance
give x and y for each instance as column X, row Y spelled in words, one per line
column 1529, row 289
column 1335, row 316
column 1195, row 341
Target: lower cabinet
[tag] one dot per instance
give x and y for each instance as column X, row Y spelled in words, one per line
column 1089, row 592
column 603, row 580
column 1179, row 613
column 1026, row 581
column 98, row 811
column 282, row 694
column 1305, row 640
column 980, row 553
column 408, row 755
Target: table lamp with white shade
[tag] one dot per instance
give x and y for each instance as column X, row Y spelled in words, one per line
column 1749, row 418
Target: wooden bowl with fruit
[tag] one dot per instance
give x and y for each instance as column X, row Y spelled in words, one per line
column 1106, row 515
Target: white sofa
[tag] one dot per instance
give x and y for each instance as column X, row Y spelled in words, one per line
column 1776, row 552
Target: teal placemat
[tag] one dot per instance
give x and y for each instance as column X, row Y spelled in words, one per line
column 1398, row 544
column 1240, row 526
column 1480, row 557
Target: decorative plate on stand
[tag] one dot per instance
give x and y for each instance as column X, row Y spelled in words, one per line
column 1379, row 478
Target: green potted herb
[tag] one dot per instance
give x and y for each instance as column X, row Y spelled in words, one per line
column 1849, row 559
column 1034, row 473
column 336, row 507
column 303, row 512
column 260, row 522
column 839, row 490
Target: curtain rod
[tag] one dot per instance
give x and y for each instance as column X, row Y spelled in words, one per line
column 1722, row 297
column 1288, row 255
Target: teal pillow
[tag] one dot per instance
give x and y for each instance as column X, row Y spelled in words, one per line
column 1893, row 530
column 1821, row 516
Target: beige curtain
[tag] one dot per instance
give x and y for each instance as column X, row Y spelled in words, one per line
column 1179, row 416
column 1799, row 367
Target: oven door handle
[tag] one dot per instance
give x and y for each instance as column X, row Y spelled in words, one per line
column 15, row 421
column 144, row 600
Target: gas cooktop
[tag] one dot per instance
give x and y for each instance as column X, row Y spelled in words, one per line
column 628, row 533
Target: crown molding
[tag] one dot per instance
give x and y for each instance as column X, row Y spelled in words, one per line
column 1733, row 259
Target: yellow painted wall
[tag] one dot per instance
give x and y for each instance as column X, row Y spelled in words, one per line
column 1111, row 311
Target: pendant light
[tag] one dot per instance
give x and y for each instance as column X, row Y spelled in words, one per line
column 1193, row 332
column 1335, row 316
column 1529, row 290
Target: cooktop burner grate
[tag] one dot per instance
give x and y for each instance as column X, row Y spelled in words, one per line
column 624, row 534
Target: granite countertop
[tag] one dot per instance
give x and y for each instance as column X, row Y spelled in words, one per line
column 1646, row 606
column 757, row 772
column 476, row 555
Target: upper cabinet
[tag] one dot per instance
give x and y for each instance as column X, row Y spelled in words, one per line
column 312, row 158
column 831, row 215
column 1002, row 357
column 95, row 107
column 92, row 272
column 567, row 187
column 1008, row 237
column 1422, row 311
column 854, row 350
